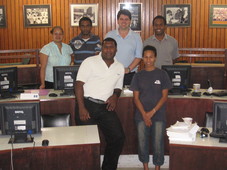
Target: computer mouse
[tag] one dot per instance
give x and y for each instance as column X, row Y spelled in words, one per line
column 204, row 132
column 45, row 142
column 53, row 95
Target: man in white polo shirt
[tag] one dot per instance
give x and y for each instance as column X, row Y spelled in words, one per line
column 98, row 87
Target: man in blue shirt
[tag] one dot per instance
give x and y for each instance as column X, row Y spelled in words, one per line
column 85, row 44
column 129, row 51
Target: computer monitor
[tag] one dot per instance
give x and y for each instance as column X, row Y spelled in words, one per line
column 20, row 120
column 219, row 126
column 179, row 76
column 8, row 80
column 64, row 78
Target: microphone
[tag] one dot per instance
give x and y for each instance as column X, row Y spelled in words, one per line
column 209, row 83
column 210, row 89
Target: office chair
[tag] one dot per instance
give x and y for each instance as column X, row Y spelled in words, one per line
column 209, row 119
column 55, row 120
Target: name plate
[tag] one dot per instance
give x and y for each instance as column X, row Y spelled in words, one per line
column 29, row 96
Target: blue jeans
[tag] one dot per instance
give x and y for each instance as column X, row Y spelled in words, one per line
column 156, row 131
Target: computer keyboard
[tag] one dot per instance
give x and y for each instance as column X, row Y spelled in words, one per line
column 218, row 135
column 220, row 93
column 176, row 91
column 7, row 96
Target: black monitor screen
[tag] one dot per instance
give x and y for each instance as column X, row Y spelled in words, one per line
column 220, row 117
column 20, row 119
column 179, row 75
column 8, row 79
column 64, row 78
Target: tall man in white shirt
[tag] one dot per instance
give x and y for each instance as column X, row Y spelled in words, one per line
column 98, row 87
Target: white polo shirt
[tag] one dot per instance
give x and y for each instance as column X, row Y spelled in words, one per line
column 100, row 80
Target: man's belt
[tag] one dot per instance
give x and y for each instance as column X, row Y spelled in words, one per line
column 95, row 100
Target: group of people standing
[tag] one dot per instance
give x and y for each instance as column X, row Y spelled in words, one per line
column 100, row 79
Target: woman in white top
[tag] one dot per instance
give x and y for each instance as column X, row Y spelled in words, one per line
column 56, row 53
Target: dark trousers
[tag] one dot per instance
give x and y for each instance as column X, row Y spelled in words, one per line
column 111, row 128
column 128, row 78
column 49, row 85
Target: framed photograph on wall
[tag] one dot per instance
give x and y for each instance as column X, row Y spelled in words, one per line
column 136, row 11
column 218, row 16
column 177, row 15
column 77, row 11
column 2, row 17
column 37, row 16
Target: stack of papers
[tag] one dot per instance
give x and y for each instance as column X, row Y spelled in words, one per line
column 181, row 131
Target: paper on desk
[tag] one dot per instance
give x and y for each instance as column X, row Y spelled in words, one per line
column 41, row 92
column 191, row 139
column 182, row 134
column 180, row 125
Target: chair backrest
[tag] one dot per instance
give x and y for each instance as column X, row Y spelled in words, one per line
column 55, row 120
column 209, row 119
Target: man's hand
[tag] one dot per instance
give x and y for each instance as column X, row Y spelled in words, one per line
column 111, row 102
column 84, row 114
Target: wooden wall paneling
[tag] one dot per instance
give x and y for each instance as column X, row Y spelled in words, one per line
column 197, row 26
column 99, row 28
column 146, row 19
column 21, row 26
column 70, row 27
column 67, row 23
column 54, row 13
column 62, row 12
column 59, row 10
column 104, row 22
column 218, row 33
column 198, row 35
column 152, row 15
column 206, row 22
column 114, row 9
column 27, row 31
column 193, row 22
column 108, row 17
column 95, row 28
column 201, row 25
column 3, row 40
column 9, row 24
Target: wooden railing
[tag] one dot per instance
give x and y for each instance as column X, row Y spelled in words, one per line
column 28, row 73
column 16, row 57
column 206, row 55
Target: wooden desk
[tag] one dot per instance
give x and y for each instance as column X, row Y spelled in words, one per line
column 177, row 107
column 206, row 153
column 75, row 147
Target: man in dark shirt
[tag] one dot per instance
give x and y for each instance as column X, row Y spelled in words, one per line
column 85, row 44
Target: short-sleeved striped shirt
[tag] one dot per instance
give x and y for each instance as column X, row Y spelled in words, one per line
column 83, row 49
